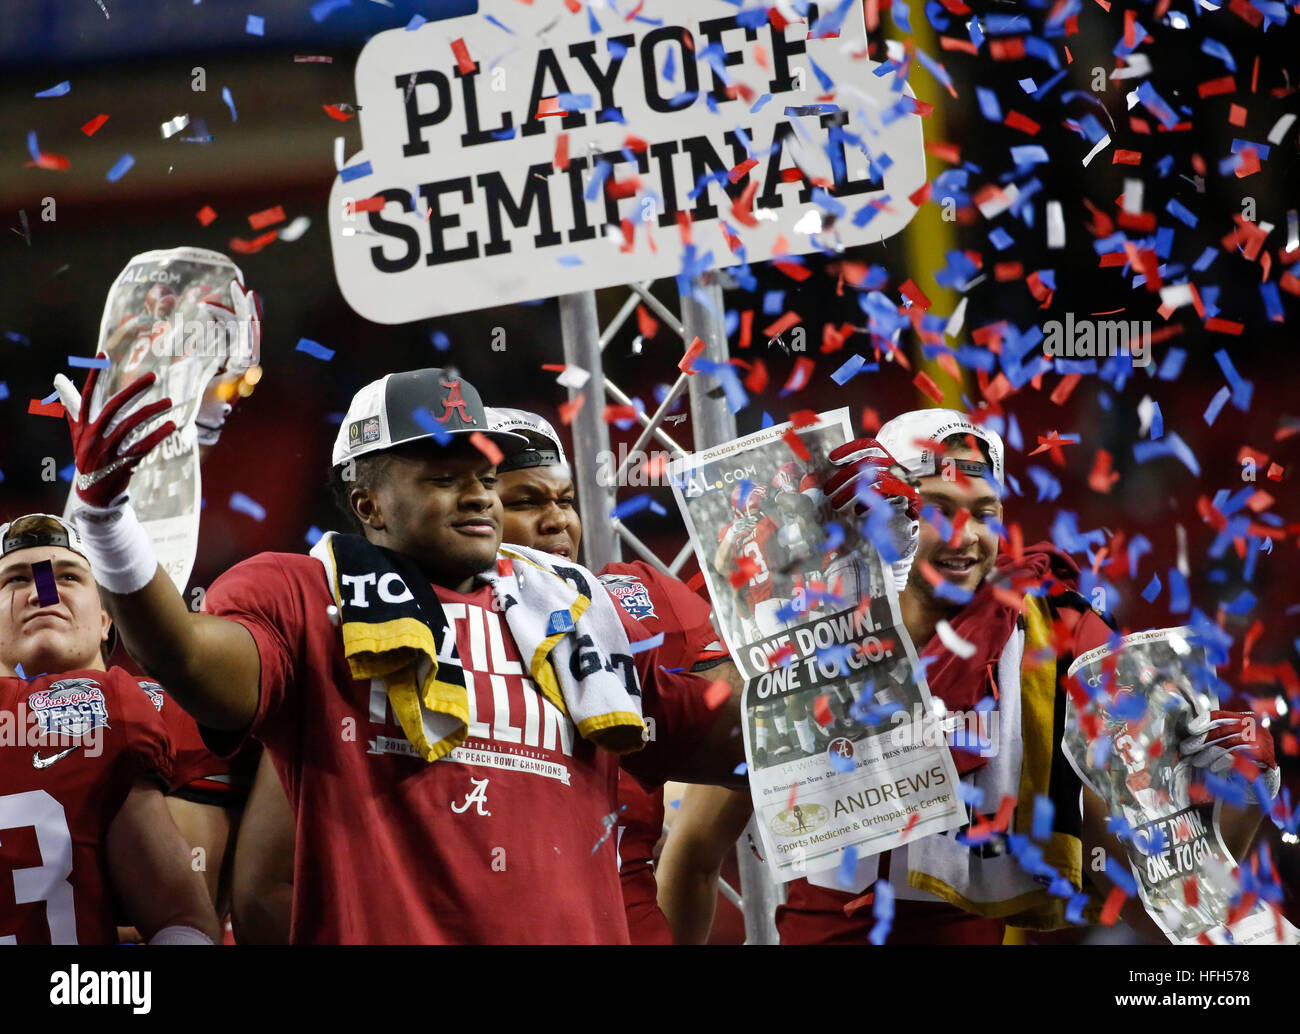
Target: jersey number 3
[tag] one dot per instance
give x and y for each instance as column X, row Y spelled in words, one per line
column 48, row 881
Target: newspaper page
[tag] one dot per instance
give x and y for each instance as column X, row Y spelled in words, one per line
column 161, row 316
column 1124, row 745
column 833, row 701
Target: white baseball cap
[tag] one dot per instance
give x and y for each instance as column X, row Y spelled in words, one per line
column 911, row 439
column 544, row 448
column 412, row 405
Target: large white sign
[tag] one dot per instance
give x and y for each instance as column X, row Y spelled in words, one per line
column 469, row 193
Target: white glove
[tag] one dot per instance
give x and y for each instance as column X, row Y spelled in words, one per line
column 244, row 352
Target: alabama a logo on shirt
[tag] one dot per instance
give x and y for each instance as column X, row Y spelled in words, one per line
column 631, row 594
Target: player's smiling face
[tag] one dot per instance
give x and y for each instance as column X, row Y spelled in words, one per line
column 438, row 506
column 968, row 560
column 538, row 509
column 65, row 636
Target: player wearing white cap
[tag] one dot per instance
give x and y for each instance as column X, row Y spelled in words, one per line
column 940, row 474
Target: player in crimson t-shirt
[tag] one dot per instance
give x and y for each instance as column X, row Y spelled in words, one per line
column 503, row 840
column 83, row 824
column 537, row 496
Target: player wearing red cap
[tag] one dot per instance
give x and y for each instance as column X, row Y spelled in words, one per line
column 83, row 763
column 428, row 764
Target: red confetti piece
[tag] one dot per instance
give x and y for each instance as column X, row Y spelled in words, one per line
column 54, row 162
column 1022, row 122
column 746, row 568
column 926, row 383
column 1064, row 389
column 781, row 325
column 548, row 107
column 921, row 194
column 1123, row 157
column 255, row 245
column 368, row 204
column 616, row 413
column 505, row 567
column 743, row 208
column 337, row 113
column 1223, row 326
column 798, row 376
column 1213, row 87
column 950, row 153
column 695, row 581
column 568, row 410
column 742, row 169
column 561, row 161
column 464, row 62
column 757, row 379
column 635, row 143
column 1102, row 477
column 803, row 418
column 747, row 327
column 1114, row 902
column 914, row 294
column 93, row 126
column 793, row 270
column 38, row 408
column 866, row 899
column 205, row 215
column 266, row 217
column 796, row 444
column 647, row 325
column 486, row 446
column 684, row 225
column 911, row 823
column 717, row 694
column 688, row 360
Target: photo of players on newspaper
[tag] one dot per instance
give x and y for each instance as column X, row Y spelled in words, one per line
column 836, row 712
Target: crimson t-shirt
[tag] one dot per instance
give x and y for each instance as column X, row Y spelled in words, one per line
column 59, row 796
column 494, row 843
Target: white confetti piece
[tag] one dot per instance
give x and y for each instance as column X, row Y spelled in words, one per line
column 1175, row 296
column 573, row 377
column 1103, row 143
column 173, row 126
column 1055, row 225
column 295, row 229
column 1146, row 410
column 953, row 641
column 996, row 205
column 1280, row 127
column 338, row 153
column 957, row 320
column 1133, row 196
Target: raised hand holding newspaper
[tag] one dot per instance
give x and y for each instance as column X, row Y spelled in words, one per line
column 836, row 712
column 1133, row 707
column 184, row 316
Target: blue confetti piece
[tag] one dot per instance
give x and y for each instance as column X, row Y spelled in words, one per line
column 314, row 535
column 989, row 106
column 321, row 11
column 1230, row 791
column 560, row 621
column 432, row 424
column 1074, row 910
column 568, row 260
column 230, row 103
column 439, row 340
column 1044, row 812
column 1216, row 49
column 1243, row 604
column 575, row 101
column 760, row 103
column 1029, row 154
column 1157, row 421
column 1180, row 598
column 1172, row 366
column 766, row 422
column 4, row 390
column 499, row 25
column 255, row 25
column 85, row 362
column 641, row 646
column 634, row 505
column 33, row 148
column 416, row 21
column 1180, row 212
column 1152, row 590
column 1118, row 825
column 1048, row 486
column 882, row 908
column 848, row 866
column 47, row 589
column 57, row 91
column 1216, row 405
column 355, row 172
column 849, row 370
column 120, row 169
column 740, row 770
column 242, row 504
column 314, row 349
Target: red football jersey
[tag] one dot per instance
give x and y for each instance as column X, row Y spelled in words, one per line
column 662, row 604
column 74, row 746
column 495, row 843
column 199, row 774
column 757, row 544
